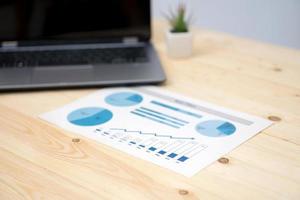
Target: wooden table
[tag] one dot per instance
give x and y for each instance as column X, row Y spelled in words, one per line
column 40, row 161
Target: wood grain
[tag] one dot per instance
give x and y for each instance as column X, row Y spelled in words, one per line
column 39, row 161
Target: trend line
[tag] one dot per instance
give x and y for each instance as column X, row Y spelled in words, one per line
column 154, row 134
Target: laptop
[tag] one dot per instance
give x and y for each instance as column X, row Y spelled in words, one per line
column 76, row 43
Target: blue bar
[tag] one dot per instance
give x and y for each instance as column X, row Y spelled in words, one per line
column 142, row 145
column 132, row 142
column 156, row 120
column 172, row 155
column 152, row 148
column 159, row 117
column 162, row 152
column 183, row 158
column 176, row 109
column 171, row 117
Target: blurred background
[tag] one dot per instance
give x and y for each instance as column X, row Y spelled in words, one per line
column 271, row 21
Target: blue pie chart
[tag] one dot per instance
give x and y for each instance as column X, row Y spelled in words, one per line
column 215, row 128
column 89, row 116
column 123, row 99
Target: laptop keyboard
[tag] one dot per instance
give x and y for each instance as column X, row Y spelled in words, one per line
column 73, row 57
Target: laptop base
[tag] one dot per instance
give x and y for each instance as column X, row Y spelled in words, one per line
column 84, row 75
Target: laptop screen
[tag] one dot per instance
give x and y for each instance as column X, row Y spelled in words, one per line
column 73, row 20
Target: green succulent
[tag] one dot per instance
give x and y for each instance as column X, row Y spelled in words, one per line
column 178, row 21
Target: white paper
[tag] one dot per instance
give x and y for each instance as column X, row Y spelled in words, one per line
column 170, row 130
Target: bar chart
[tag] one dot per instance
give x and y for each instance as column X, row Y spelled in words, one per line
column 168, row 147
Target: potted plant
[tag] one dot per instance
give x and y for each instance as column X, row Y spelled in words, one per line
column 179, row 38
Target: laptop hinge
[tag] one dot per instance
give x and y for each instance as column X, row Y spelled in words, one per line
column 9, row 44
column 130, row 40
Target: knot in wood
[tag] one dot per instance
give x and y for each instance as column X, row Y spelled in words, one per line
column 223, row 160
column 274, row 118
column 75, row 140
column 183, row 192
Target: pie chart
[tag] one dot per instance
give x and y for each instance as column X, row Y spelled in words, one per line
column 215, row 128
column 89, row 116
column 123, row 99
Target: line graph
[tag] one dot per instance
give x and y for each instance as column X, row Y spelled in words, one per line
column 162, row 146
column 153, row 134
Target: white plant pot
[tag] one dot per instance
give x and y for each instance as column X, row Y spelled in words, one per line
column 179, row 45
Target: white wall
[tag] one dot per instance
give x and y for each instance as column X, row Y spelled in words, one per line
column 273, row 21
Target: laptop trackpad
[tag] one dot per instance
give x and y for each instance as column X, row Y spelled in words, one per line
column 63, row 74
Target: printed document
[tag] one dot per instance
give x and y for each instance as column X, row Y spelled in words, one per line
column 168, row 129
